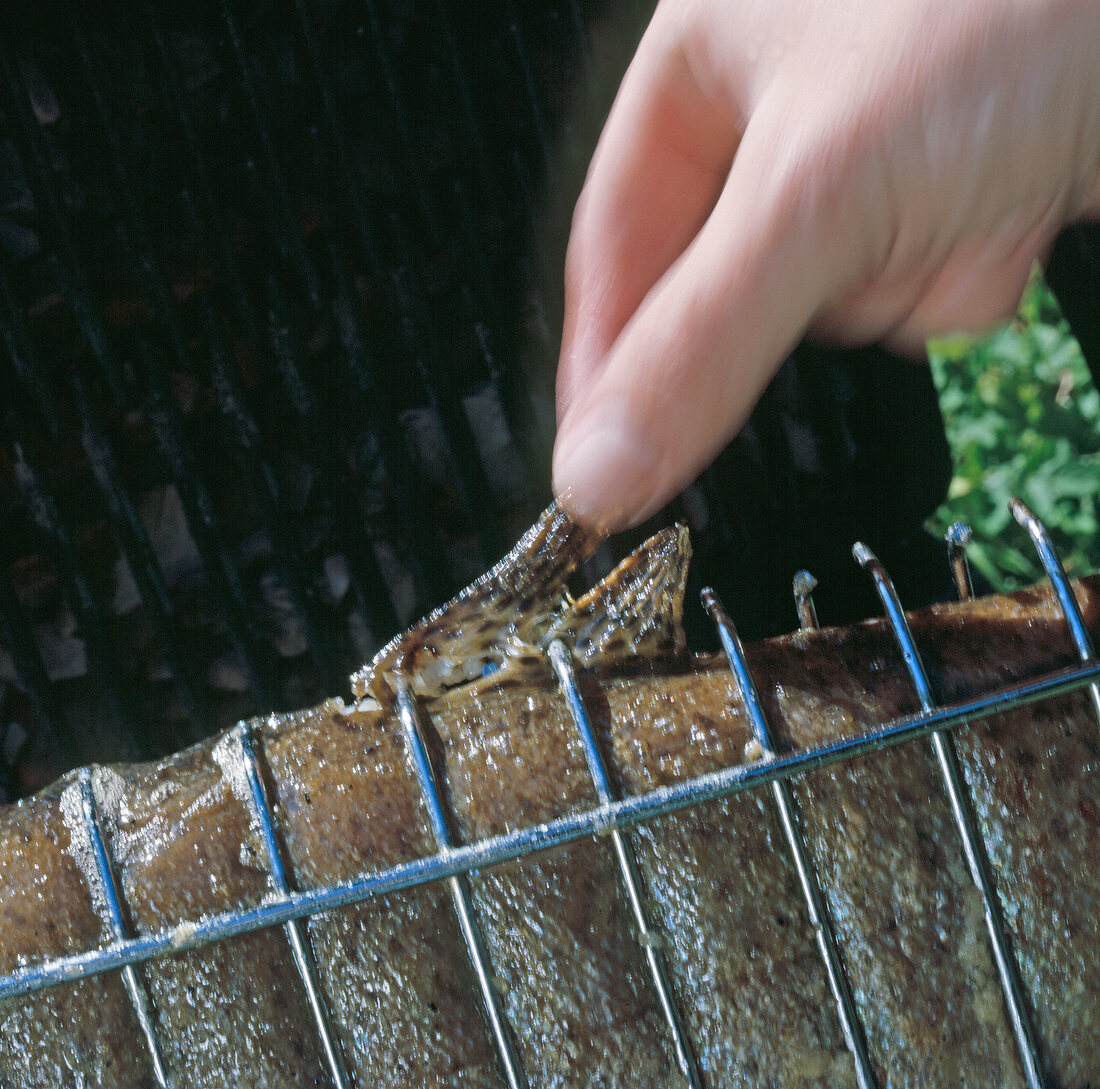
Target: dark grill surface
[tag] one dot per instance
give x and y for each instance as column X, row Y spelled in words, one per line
column 280, row 305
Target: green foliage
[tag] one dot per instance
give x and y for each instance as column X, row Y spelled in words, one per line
column 1023, row 418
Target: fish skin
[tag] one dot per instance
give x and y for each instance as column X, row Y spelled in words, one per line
column 571, row 976
column 497, row 618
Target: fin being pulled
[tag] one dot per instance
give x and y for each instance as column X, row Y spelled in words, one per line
column 637, row 611
column 502, row 615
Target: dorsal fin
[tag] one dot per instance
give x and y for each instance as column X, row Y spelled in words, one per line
column 501, row 615
column 638, row 610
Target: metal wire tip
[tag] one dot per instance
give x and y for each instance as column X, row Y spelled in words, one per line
column 1021, row 512
column 862, row 554
column 710, row 602
column 804, row 585
column 1063, row 588
column 958, row 535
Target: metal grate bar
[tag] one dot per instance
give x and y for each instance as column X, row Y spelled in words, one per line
column 471, row 482
column 785, row 803
column 963, row 812
column 958, row 538
column 23, row 359
column 167, row 425
column 142, row 561
column 246, row 436
column 471, row 934
column 101, row 459
column 74, row 284
column 109, row 888
column 43, row 511
column 562, row 661
column 420, row 537
column 1052, row 564
column 493, row 850
column 348, row 529
column 17, row 638
column 804, row 586
column 290, row 240
column 299, row 940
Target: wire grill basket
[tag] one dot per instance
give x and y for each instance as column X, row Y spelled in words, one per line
column 611, row 817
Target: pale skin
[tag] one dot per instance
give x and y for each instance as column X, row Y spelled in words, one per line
column 856, row 170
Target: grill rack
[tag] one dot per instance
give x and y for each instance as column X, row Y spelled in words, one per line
column 612, row 817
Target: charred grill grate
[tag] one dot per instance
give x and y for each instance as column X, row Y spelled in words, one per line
column 278, row 320
column 611, row 817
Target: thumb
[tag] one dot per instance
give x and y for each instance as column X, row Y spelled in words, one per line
column 683, row 375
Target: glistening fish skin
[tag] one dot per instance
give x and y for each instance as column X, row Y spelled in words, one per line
column 569, row 973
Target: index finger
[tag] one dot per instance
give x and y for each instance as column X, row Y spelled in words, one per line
column 657, row 172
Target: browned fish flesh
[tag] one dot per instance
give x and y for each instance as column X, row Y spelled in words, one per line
column 568, row 970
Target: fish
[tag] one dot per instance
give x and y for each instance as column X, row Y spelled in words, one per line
column 567, row 966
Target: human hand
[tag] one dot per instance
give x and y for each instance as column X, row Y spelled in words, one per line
column 856, row 169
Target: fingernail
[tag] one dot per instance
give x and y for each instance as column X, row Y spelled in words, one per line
column 604, row 474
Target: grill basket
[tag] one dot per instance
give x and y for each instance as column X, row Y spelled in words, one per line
column 611, row 817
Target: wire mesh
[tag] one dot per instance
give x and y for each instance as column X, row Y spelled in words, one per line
column 610, row 816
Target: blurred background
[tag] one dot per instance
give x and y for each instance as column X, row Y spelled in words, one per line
column 280, row 303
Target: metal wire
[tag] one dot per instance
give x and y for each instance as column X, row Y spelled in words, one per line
column 562, row 662
column 610, row 816
column 108, row 887
column 299, row 940
column 600, row 820
column 962, row 809
column 958, row 537
column 785, row 803
column 409, row 714
column 1052, row 564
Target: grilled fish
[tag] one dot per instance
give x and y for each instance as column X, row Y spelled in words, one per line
column 568, row 969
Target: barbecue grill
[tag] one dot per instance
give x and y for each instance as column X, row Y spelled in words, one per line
column 279, row 309
column 611, row 817
column 279, row 306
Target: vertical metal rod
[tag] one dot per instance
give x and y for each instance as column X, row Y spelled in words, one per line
column 784, row 799
column 962, row 809
column 295, row 928
column 958, row 538
column 804, row 586
column 409, row 715
column 562, row 661
column 1052, row 564
column 139, row 997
